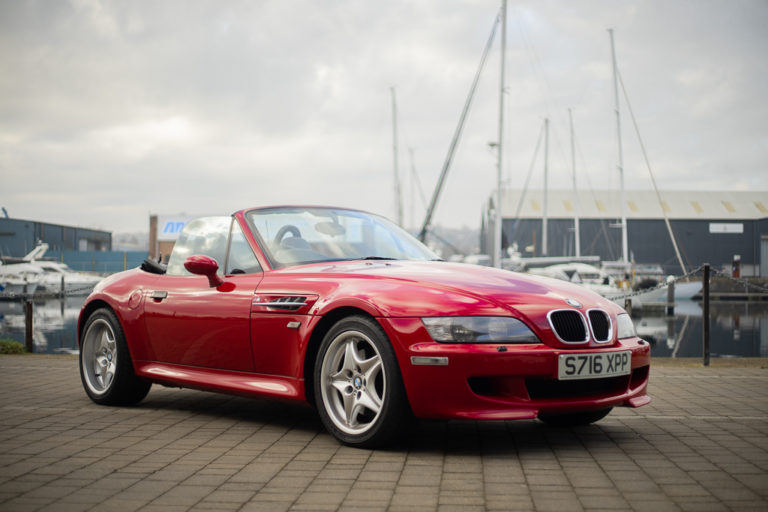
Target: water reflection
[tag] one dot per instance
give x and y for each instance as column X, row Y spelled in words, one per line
column 54, row 323
column 737, row 329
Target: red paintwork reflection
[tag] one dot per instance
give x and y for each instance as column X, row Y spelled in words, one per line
column 197, row 325
column 214, row 380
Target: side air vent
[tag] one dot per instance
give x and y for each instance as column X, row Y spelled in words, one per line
column 289, row 303
column 601, row 325
column 569, row 326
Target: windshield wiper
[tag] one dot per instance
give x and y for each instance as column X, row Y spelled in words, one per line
column 377, row 258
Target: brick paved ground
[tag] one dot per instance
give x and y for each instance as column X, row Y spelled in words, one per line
column 701, row 445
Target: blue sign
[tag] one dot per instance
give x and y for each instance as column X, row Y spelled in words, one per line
column 173, row 227
column 169, row 227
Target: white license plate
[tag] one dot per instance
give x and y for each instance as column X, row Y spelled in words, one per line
column 594, row 365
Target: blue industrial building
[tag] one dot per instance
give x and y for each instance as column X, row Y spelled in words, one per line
column 83, row 249
column 710, row 227
column 18, row 237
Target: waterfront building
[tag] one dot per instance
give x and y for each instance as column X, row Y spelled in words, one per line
column 710, row 227
column 18, row 237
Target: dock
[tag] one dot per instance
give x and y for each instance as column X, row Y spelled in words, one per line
column 742, row 289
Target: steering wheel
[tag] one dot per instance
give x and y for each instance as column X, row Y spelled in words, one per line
column 288, row 228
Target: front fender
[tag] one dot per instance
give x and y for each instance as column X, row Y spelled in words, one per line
column 124, row 294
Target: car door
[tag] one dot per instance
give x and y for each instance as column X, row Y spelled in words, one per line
column 190, row 323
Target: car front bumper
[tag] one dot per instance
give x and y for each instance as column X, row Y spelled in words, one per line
column 477, row 381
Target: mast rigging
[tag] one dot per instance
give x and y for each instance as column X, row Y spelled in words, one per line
column 456, row 137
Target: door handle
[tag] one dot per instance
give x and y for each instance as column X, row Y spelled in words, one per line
column 158, row 295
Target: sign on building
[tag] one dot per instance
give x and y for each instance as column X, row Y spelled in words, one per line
column 726, row 227
column 169, row 227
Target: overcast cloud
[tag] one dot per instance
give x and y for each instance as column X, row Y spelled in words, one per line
column 110, row 111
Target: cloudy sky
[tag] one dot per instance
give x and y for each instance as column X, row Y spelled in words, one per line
column 110, row 111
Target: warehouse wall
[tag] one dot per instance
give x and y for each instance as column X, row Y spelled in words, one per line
column 18, row 237
column 648, row 240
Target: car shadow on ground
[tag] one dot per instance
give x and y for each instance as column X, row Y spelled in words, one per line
column 499, row 438
column 512, row 438
column 216, row 405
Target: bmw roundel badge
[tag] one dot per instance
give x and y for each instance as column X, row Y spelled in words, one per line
column 573, row 302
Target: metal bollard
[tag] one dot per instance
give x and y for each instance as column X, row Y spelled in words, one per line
column 705, row 314
column 671, row 299
column 28, row 312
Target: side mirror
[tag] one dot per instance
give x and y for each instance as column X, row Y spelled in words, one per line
column 204, row 266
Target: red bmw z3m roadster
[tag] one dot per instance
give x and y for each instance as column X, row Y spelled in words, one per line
column 346, row 311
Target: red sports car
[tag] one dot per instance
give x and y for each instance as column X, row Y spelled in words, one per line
column 346, row 311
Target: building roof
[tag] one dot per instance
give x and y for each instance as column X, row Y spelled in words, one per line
column 640, row 204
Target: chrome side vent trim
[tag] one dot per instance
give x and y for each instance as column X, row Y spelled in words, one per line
column 290, row 303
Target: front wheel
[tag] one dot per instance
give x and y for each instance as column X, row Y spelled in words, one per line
column 573, row 419
column 358, row 388
column 105, row 363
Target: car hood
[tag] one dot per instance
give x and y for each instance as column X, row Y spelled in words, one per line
column 405, row 288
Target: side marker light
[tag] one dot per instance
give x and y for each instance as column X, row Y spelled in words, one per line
column 429, row 361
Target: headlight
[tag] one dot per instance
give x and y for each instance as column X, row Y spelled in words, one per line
column 624, row 326
column 478, row 329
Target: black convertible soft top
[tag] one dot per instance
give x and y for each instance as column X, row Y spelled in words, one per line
column 153, row 267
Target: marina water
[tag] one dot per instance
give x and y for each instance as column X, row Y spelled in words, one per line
column 738, row 329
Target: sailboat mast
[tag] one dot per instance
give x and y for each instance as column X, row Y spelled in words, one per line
column 497, row 239
column 413, row 188
column 398, row 195
column 620, row 164
column 544, row 229
column 456, row 136
column 576, row 236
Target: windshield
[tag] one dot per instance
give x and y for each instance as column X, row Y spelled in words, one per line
column 297, row 235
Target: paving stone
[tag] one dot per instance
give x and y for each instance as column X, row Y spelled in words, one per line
column 702, row 444
column 596, row 502
column 225, row 496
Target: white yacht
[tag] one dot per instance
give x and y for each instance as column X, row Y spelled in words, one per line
column 42, row 275
column 11, row 284
column 583, row 274
column 54, row 273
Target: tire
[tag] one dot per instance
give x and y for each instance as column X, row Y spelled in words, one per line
column 106, row 369
column 359, row 392
column 573, row 419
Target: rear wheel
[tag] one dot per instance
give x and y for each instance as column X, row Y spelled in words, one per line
column 359, row 390
column 105, row 363
column 573, row 419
